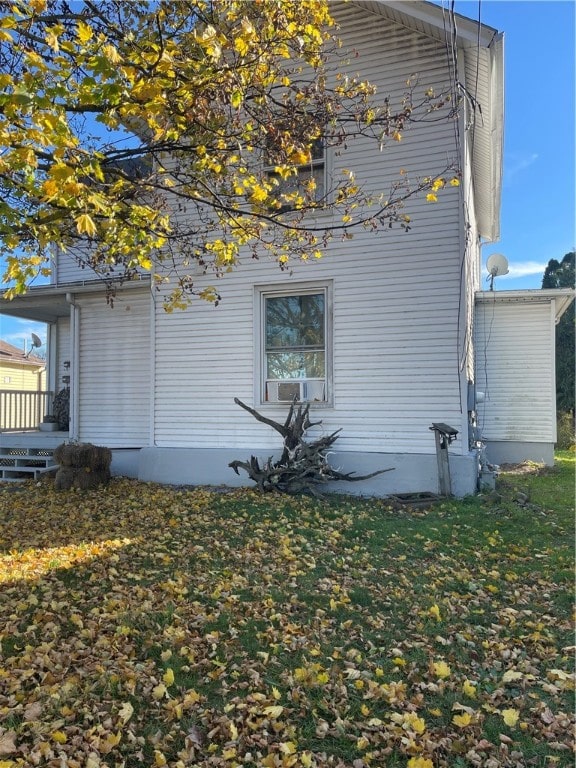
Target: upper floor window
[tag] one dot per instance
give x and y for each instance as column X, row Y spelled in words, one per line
column 307, row 185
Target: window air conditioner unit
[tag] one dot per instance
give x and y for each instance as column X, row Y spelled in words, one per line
column 302, row 390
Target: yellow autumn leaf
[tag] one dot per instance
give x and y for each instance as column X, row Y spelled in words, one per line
column 59, row 737
column 469, row 689
column 434, row 611
column 462, row 720
column 168, row 677
column 111, row 53
column 299, row 157
column 415, row 723
column 259, row 194
column 159, row 758
column 510, row 717
column 85, row 225
column 454, row 182
column 420, row 762
column 126, row 711
column 241, row 46
column 441, row 669
column 511, row 675
column 50, row 188
column 159, row 691
column 191, row 697
column 112, row 740
column 431, row 198
column 273, row 711
column 85, row 32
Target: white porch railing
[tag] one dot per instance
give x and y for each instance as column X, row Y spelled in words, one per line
column 21, row 409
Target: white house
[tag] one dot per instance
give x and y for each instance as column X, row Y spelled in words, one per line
column 393, row 314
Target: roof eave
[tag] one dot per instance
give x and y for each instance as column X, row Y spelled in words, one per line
column 562, row 298
column 47, row 303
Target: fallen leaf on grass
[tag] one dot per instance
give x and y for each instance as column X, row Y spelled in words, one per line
column 7, row 745
column 510, row 717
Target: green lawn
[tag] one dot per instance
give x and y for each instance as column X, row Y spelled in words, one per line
column 148, row 626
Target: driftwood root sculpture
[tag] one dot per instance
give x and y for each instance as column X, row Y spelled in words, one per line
column 303, row 466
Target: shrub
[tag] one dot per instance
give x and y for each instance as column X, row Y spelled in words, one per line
column 61, row 408
column 565, row 431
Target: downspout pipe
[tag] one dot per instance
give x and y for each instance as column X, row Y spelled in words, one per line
column 74, row 365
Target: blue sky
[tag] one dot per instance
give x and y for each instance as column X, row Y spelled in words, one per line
column 538, row 194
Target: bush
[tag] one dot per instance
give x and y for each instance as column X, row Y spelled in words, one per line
column 565, row 431
column 61, row 408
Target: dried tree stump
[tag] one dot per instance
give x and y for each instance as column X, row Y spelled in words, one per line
column 303, row 466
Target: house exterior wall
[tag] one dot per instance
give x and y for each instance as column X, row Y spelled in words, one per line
column 400, row 309
column 68, row 270
column 400, row 321
column 515, row 371
column 114, row 370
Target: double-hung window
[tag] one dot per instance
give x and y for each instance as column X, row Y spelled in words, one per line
column 306, row 184
column 304, row 187
column 295, row 357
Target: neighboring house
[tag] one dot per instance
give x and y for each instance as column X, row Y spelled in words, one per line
column 22, row 379
column 389, row 345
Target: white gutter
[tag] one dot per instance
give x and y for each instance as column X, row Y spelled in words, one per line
column 562, row 298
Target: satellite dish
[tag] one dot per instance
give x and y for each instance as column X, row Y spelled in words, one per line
column 496, row 265
column 36, row 342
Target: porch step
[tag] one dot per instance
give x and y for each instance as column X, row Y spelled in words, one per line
column 18, row 464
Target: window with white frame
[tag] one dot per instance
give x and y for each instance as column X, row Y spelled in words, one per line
column 307, row 185
column 295, row 345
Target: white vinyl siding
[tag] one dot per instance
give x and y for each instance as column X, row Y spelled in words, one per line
column 69, row 270
column 515, row 371
column 398, row 334
column 114, row 369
